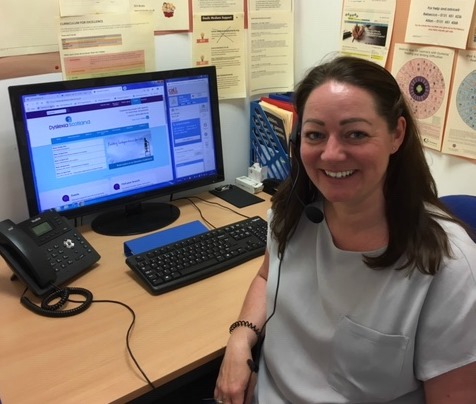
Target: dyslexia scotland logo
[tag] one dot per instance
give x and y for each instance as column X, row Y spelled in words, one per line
column 69, row 123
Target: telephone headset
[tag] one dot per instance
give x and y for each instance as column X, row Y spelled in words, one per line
column 311, row 210
column 314, row 213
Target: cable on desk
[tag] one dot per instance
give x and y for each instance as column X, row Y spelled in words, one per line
column 212, row 203
column 128, row 335
column 200, row 212
column 47, row 309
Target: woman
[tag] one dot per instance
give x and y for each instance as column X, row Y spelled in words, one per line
column 376, row 303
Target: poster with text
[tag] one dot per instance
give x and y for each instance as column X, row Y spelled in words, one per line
column 219, row 40
column 460, row 132
column 167, row 16
column 21, row 33
column 439, row 22
column 106, row 44
column 424, row 76
column 271, row 51
column 367, row 27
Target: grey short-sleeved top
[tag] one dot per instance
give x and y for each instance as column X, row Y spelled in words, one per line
column 344, row 333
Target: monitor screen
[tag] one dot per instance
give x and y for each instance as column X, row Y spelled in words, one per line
column 90, row 145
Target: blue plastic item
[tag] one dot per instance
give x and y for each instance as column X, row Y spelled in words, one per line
column 265, row 147
column 464, row 208
column 160, row 238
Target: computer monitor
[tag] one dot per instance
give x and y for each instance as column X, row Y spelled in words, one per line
column 90, row 145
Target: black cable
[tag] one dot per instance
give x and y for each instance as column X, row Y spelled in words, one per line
column 47, row 309
column 278, row 280
column 201, row 213
column 256, row 350
column 128, row 334
column 211, row 203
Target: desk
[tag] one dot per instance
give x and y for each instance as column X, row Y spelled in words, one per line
column 83, row 359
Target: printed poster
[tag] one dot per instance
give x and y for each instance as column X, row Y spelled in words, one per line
column 440, row 22
column 367, row 27
column 424, row 76
column 167, row 16
column 460, row 132
column 29, row 36
column 106, row 44
column 219, row 39
column 271, row 46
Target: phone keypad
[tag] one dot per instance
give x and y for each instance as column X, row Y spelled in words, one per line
column 69, row 252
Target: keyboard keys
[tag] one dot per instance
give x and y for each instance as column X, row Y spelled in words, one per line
column 186, row 261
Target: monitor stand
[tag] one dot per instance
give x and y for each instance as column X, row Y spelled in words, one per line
column 135, row 219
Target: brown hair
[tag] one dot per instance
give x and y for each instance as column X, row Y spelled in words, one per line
column 409, row 186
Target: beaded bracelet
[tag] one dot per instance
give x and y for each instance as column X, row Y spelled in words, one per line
column 244, row 323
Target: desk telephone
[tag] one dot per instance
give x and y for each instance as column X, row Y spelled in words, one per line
column 45, row 251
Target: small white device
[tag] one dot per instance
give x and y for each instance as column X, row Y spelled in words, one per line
column 257, row 173
column 248, row 184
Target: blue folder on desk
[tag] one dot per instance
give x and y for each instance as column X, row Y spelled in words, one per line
column 160, row 238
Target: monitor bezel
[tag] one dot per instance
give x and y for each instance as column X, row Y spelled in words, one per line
column 16, row 93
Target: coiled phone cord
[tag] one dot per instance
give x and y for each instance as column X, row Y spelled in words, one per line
column 48, row 309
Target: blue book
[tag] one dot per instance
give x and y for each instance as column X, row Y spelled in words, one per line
column 286, row 97
column 163, row 237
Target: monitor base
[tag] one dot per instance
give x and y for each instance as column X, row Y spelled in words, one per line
column 135, row 219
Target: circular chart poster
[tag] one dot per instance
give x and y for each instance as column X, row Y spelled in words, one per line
column 466, row 100
column 423, row 83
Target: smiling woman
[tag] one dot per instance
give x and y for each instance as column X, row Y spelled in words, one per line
column 348, row 141
column 334, row 294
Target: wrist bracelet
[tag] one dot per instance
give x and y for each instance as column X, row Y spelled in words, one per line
column 244, row 323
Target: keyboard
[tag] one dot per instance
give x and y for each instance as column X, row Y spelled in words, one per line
column 194, row 258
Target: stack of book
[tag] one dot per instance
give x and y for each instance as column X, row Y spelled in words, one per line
column 281, row 115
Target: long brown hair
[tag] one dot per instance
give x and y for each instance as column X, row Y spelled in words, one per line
column 409, row 186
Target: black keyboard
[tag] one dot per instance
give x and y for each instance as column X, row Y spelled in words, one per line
column 189, row 260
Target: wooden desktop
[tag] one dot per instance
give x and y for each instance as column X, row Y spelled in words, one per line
column 84, row 358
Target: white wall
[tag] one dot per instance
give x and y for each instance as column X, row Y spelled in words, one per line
column 316, row 35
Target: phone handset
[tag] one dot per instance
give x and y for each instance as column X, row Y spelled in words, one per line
column 22, row 253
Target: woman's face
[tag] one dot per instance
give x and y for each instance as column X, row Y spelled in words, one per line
column 346, row 145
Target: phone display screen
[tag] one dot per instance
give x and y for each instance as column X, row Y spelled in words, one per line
column 41, row 229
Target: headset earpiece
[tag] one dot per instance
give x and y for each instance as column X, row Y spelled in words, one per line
column 295, row 136
column 295, row 141
column 312, row 210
